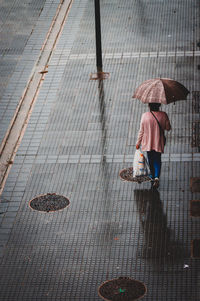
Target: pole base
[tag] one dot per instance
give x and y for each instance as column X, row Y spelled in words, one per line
column 99, row 76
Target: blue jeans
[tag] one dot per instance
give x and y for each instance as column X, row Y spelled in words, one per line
column 154, row 159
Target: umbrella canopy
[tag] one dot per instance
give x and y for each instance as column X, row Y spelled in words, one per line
column 161, row 90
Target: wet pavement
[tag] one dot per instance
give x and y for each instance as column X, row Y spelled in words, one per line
column 24, row 26
column 80, row 135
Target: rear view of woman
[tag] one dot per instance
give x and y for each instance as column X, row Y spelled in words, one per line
column 151, row 138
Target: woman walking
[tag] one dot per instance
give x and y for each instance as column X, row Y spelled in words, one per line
column 151, row 138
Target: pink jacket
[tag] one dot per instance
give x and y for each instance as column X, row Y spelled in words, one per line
column 149, row 134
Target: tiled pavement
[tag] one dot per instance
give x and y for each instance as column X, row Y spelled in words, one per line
column 79, row 136
column 24, row 26
column 17, row 19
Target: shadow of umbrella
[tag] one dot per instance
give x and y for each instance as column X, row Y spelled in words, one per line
column 158, row 242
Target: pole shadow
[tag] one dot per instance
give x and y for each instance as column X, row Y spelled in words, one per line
column 108, row 228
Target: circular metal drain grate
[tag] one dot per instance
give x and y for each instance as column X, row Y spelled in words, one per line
column 127, row 175
column 122, row 289
column 49, row 202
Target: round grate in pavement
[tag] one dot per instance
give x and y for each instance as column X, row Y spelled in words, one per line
column 122, row 289
column 49, row 202
column 127, row 175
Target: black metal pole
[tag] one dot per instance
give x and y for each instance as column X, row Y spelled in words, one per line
column 98, row 36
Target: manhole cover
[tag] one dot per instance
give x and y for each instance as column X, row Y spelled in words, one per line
column 195, row 208
column 122, row 289
column 196, row 248
column 127, row 175
column 49, row 202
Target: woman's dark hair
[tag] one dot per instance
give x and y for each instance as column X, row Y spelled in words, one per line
column 154, row 106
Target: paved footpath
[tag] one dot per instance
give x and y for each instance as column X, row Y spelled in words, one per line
column 80, row 135
column 24, row 26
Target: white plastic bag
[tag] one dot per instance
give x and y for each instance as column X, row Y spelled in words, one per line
column 139, row 164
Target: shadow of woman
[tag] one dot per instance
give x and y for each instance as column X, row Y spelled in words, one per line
column 158, row 243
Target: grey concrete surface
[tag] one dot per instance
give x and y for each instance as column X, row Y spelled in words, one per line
column 80, row 135
column 24, row 26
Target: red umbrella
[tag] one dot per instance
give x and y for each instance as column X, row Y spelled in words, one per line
column 161, row 90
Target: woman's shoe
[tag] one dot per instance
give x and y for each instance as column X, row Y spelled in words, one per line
column 156, row 183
